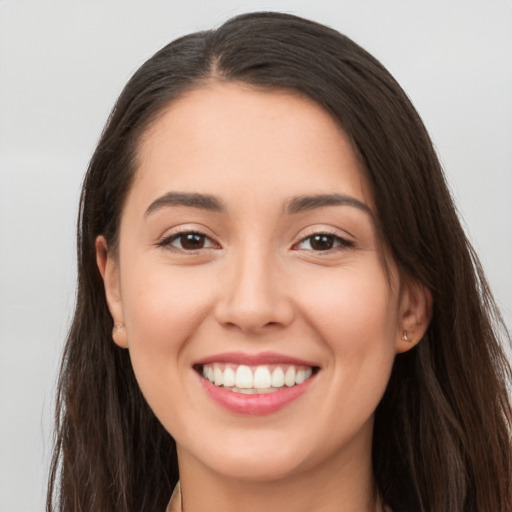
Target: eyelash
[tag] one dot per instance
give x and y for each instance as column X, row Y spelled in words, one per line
column 167, row 241
column 335, row 241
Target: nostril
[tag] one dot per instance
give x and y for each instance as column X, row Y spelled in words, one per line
column 252, row 301
column 248, row 324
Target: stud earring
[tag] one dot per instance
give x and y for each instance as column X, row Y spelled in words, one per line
column 405, row 337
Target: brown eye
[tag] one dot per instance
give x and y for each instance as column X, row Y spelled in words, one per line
column 188, row 241
column 191, row 241
column 321, row 242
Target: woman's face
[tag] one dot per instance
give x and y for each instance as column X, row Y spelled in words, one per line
column 249, row 256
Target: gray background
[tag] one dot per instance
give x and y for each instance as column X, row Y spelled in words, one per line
column 62, row 64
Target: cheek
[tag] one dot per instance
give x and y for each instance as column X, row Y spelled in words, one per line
column 163, row 303
column 163, row 306
column 355, row 314
column 352, row 307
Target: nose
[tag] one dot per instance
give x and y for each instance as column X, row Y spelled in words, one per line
column 254, row 295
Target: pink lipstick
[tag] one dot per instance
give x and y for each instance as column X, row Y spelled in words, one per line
column 255, row 383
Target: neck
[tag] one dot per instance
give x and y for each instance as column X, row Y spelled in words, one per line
column 340, row 484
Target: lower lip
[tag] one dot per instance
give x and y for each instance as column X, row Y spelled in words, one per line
column 257, row 404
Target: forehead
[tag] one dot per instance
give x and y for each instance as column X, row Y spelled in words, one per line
column 227, row 133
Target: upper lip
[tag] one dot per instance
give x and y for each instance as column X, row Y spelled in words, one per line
column 254, row 359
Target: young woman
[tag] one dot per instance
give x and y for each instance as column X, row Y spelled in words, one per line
column 277, row 305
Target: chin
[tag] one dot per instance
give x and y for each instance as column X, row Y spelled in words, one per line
column 254, row 459
column 258, row 469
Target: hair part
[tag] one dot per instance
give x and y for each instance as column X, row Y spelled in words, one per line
column 442, row 430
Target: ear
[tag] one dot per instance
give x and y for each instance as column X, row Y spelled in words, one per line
column 415, row 314
column 109, row 270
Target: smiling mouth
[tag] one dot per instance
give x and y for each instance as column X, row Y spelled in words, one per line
column 261, row 379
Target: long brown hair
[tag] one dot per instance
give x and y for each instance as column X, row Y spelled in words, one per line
column 442, row 438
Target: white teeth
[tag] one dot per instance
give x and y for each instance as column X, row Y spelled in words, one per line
column 250, row 391
column 259, row 379
column 243, row 377
column 262, row 378
column 267, row 390
column 277, row 377
column 229, row 377
column 289, row 377
column 217, row 376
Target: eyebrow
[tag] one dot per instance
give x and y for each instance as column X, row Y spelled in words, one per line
column 295, row 205
column 304, row 203
column 189, row 199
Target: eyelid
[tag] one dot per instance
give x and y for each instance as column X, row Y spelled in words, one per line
column 345, row 242
column 166, row 239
